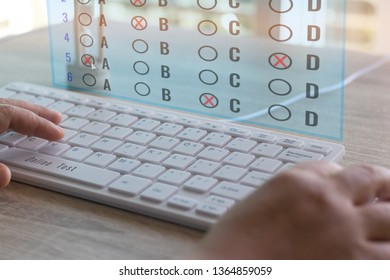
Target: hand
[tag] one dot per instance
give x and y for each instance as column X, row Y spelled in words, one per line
column 28, row 119
column 313, row 211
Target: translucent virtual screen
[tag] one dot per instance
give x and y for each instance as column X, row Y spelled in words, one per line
column 273, row 64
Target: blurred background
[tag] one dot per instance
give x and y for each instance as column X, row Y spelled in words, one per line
column 366, row 20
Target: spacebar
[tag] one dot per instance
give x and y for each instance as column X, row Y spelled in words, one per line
column 58, row 167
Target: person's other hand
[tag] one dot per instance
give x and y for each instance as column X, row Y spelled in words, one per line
column 313, row 211
column 27, row 119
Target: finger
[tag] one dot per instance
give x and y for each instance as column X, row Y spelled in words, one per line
column 322, row 168
column 376, row 221
column 43, row 112
column 27, row 122
column 379, row 250
column 5, row 175
column 364, row 183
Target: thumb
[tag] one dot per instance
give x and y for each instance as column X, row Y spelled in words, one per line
column 5, row 175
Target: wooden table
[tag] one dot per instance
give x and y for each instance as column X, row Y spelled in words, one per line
column 40, row 224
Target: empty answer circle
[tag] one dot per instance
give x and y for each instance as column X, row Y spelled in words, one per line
column 281, row 6
column 86, row 40
column 279, row 113
column 280, row 33
column 207, row 27
column 140, row 46
column 89, row 80
column 142, row 68
column 280, row 87
column 85, row 19
column 208, row 77
column 208, row 53
column 142, row 89
column 207, row 4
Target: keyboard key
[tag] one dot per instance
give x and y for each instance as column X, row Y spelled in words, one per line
column 213, row 154
column 216, row 139
column 164, row 143
column 83, row 140
column 96, row 128
column 204, row 167
column 77, row 99
column 319, row 149
column 264, row 137
column 210, row 210
column 118, row 133
column 68, row 134
column 77, row 154
column 266, row 165
column 200, row 184
column 101, row 115
column 238, row 132
column 192, row 134
column 285, row 167
column 141, row 138
column 154, row 156
column 182, row 202
column 147, row 125
column 168, row 129
column 124, row 165
column 119, row 108
column 267, row 150
column 256, row 179
column 74, row 123
column 241, row 145
column 174, row 177
column 3, row 148
column 142, row 112
column 32, row 143
column 129, row 185
column 23, row 97
column 98, row 103
column 100, row 159
column 72, row 171
column 106, row 145
column 231, row 190
column 177, row 161
column 150, row 171
column 11, row 138
column 220, row 201
column 239, row 159
column 130, row 150
column 230, row 173
column 164, row 117
column 188, row 148
column 123, row 120
column 214, row 127
column 5, row 93
column 158, row 192
column 42, row 101
column 187, row 121
column 290, row 143
column 61, row 106
column 299, row 156
column 80, row 111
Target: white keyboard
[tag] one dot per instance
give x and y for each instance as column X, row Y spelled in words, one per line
column 176, row 167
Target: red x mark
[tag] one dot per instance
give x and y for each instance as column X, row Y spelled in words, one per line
column 280, row 61
column 208, row 100
column 138, row 3
column 139, row 23
column 87, row 60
